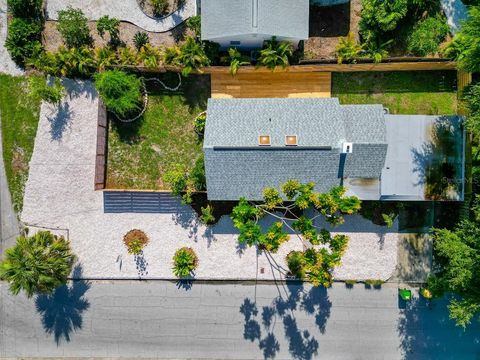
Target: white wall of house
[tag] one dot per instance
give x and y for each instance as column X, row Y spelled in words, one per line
column 250, row 41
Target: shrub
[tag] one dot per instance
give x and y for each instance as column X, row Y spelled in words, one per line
column 207, row 216
column 120, row 92
column 191, row 56
column 37, row 264
column 149, row 56
column 160, row 7
column 471, row 99
column 135, row 240
column 110, row 25
column 427, row 294
column 23, row 39
column 53, row 94
column 427, row 36
column 127, row 56
column 236, row 60
column 105, row 57
column 185, row 262
column 350, row 283
column 194, row 23
column 197, row 175
column 348, row 49
column 140, row 39
column 381, row 15
column 25, row 8
column 469, row 41
column 275, row 53
column 73, row 26
column 388, row 219
column 199, row 124
column 176, row 178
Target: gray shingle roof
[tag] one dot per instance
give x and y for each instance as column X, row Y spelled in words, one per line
column 284, row 18
column 237, row 166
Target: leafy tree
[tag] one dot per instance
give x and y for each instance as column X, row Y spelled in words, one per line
column 313, row 265
column 185, row 261
column 110, row 25
column 236, row 60
column 194, row 23
column 457, row 254
column 39, row 88
column 427, row 36
column 23, row 39
column 465, row 47
column 348, row 49
column 140, row 39
column 73, row 26
column 382, row 15
column 120, row 92
column 25, row 8
column 275, row 53
column 37, row 264
column 471, row 99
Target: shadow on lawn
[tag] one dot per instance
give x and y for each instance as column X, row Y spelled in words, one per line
column 301, row 344
column 62, row 311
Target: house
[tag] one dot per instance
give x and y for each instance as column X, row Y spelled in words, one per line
column 248, row 23
column 251, row 144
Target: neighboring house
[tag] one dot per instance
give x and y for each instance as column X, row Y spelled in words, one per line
column 251, row 144
column 248, row 23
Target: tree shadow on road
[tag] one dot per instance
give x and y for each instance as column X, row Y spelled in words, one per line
column 426, row 332
column 292, row 298
column 62, row 311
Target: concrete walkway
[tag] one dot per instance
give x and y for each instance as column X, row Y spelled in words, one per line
column 125, row 10
column 7, row 65
column 229, row 321
column 9, row 227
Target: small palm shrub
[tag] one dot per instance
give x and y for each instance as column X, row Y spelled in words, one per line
column 149, row 56
column 427, row 36
column 236, row 60
column 348, row 49
column 135, row 240
column 207, row 216
column 110, row 25
column 388, row 219
column 37, row 264
column 105, row 57
column 275, row 53
column 23, row 39
column 25, row 8
column 191, row 56
column 140, row 39
column 160, row 7
column 127, row 56
column 120, row 92
column 185, row 261
column 39, row 88
column 73, row 26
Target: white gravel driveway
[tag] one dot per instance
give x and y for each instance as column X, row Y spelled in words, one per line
column 124, row 10
column 59, row 193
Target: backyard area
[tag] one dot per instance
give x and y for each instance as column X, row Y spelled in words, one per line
column 140, row 153
column 402, row 92
column 19, row 113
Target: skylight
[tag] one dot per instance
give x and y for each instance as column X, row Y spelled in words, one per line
column 264, row 140
column 291, row 140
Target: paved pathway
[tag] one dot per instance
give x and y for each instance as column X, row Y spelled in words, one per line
column 228, row 321
column 60, row 193
column 125, row 10
column 7, row 65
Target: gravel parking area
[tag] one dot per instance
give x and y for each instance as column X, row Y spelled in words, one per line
column 126, row 10
column 7, row 65
column 59, row 193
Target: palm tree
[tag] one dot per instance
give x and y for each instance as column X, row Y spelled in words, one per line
column 236, row 60
column 275, row 54
column 192, row 56
column 37, row 264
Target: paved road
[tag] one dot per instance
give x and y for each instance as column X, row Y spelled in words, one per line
column 158, row 319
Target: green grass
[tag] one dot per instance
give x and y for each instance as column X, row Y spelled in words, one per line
column 140, row 153
column 409, row 92
column 19, row 114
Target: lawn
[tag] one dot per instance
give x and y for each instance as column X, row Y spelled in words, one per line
column 409, row 92
column 19, row 114
column 140, row 153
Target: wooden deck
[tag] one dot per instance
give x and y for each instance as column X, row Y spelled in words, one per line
column 271, row 85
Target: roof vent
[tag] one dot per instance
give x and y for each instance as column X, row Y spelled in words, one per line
column 264, row 140
column 291, row 140
column 347, row 148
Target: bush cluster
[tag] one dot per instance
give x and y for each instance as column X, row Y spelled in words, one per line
column 184, row 182
column 185, row 261
column 427, row 36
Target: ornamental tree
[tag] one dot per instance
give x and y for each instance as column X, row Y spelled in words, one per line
column 298, row 213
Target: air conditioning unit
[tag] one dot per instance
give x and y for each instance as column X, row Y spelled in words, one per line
column 347, row 148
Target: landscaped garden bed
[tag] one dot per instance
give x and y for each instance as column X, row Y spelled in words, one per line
column 141, row 152
column 402, row 92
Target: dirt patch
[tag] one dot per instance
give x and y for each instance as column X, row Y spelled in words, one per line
column 19, row 163
column 52, row 38
column 327, row 25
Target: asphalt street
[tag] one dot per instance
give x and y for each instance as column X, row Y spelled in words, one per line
column 229, row 321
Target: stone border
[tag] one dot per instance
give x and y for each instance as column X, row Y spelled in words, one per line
column 101, row 152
